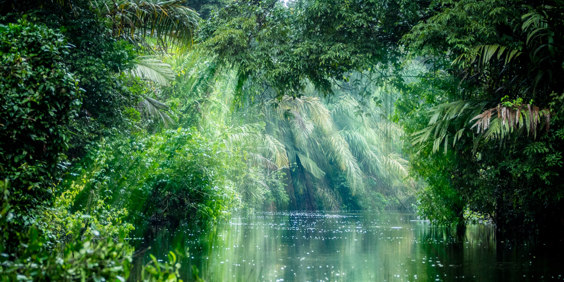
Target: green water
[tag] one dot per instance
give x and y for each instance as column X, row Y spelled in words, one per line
column 349, row 247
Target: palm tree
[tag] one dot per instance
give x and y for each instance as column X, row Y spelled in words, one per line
column 317, row 148
column 168, row 21
column 530, row 70
column 164, row 23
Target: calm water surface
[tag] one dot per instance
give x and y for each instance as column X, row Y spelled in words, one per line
column 348, row 247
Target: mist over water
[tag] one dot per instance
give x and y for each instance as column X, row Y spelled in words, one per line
column 304, row 246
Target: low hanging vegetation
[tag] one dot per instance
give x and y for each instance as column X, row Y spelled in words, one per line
column 118, row 113
column 516, row 117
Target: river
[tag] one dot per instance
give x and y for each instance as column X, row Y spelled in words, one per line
column 347, row 247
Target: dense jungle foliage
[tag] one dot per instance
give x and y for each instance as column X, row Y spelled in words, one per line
column 116, row 114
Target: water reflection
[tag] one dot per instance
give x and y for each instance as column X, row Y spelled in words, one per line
column 347, row 247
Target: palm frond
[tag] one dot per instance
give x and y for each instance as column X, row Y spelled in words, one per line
column 483, row 54
column 277, row 150
column 247, row 134
column 447, row 121
column 509, row 118
column 359, row 145
column 536, row 25
column 152, row 108
column 310, row 166
column 396, row 164
column 168, row 21
column 305, row 105
column 260, row 160
column 341, row 154
column 346, row 105
column 251, row 138
column 301, row 127
column 330, row 199
column 152, row 69
column 365, row 152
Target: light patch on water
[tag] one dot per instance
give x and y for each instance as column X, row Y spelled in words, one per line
column 382, row 246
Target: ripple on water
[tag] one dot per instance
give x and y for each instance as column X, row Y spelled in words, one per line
column 317, row 246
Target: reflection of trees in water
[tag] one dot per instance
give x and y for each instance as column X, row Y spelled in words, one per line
column 448, row 252
column 159, row 240
column 273, row 244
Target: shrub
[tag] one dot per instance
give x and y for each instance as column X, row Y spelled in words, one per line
column 39, row 254
column 174, row 176
column 39, row 98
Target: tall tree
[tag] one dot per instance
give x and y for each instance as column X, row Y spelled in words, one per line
column 493, row 76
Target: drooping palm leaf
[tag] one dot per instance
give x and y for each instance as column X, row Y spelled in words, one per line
column 361, row 148
column 341, row 153
column 483, row 54
column 310, row 166
column 251, row 137
column 396, row 164
column 247, row 134
column 152, row 69
column 310, row 105
column 511, row 118
column 447, row 120
column 260, row 160
column 301, row 128
column 276, row 150
column 152, row 108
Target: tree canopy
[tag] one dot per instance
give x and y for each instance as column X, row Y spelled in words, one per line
column 130, row 113
column 285, row 44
